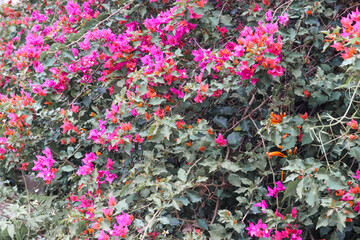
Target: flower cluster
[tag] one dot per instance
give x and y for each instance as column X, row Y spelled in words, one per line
column 44, row 165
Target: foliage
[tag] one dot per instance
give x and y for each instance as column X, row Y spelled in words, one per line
column 180, row 119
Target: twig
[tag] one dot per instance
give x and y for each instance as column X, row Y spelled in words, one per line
column 193, row 166
column 150, row 222
column 28, row 200
column 217, row 203
column 249, row 115
column 215, row 211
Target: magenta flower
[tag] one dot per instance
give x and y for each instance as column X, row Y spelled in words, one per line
column 276, row 72
column 278, row 214
column 347, row 197
column 284, row 19
column 199, row 98
column 179, row 92
column 109, row 164
column 293, row 212
column 258, row 230
column 268, row 15
column 44, row 165
column 220, row 140
column 75, row 51
column 357, row 176
column 261, row 204
column 103, row 236
column 357, row 207
column 273, row 192
column 85, row 45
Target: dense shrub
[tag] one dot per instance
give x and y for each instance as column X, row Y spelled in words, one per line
column 180, row 119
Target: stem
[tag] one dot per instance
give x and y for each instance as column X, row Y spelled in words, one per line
column 28, row 200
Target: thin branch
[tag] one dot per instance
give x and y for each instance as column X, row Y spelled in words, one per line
column 150, row 222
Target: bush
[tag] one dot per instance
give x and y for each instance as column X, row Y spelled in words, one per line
column 180, row 119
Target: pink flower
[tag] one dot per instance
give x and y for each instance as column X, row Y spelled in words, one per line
column 357, row 176
column 268, row 15
column 279, row 215
column 111, row 90
column 160, row 113
column 353, row 124
column 217, row 93
column 273, row 192
column 199, row 78
column 44, row 165
column 220, row 140
column 254, row 81
column 258, row 230
column 103, row 236
column 138, row 139
column 109, row 164
column 85, row 45
column 67, row 126
column 277, row 71
column 357, row 207
column 256, row 8
column 222, row 30
column 112, row 201
column 261, row 204
column 347, row 197
column 107, row 212
column 75, row 51
column 199, row 98
column 293, row 212
column 284, row 19
column 134, row 112
column 74, row 108
column 179, row 92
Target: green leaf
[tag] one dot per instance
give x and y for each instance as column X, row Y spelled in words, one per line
column 228, row 165
column 300, row 189
column 220, row 121
column 182, row 175
column 291, row 189
column 67, row 168
column 355, row 152
column 194, row 196
column 11, row 230
column 166, row 131
column 235, row 180
column 202, row 223
column 322, row 222
column 90, row 24
column 341, row 220
column 78, row 155
column 234, row 140
column 289, row 142
column 121, row 206
column 296, row 72
column 164, row 220
column 226, row 19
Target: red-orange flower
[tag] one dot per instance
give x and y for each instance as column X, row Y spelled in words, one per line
column 339, row 192
column 304, row 116
column 306, row 93
column 352, row 137
column 275, row 119
column 276, row 153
